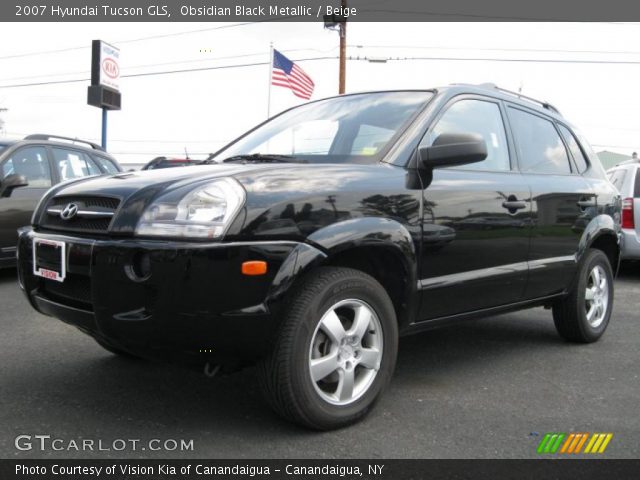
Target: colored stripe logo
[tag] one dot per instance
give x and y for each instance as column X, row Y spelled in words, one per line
column 573, row 443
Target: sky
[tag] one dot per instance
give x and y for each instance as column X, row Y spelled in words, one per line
column 202, row 111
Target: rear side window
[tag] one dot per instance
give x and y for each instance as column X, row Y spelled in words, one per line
column 106, row 164
column 74, row 164
column 617, row 178
column 540, row 148
column 574, row 148
column 636, row 190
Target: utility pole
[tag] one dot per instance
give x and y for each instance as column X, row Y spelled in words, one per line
column 343, row 53
column 339, row 23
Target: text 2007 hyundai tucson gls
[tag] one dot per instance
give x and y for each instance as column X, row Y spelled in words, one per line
column 323, row 234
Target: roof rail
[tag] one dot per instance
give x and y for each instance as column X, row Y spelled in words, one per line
column 45, row 136
column 546, row 105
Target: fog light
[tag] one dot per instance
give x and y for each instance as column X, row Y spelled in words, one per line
column 139, row 269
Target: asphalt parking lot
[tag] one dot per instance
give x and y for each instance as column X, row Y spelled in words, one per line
column 484, row 389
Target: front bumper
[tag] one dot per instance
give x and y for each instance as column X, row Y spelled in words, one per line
column 195, row 306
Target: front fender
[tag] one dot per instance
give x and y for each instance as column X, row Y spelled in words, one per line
column 362, row 232
column 341, row 237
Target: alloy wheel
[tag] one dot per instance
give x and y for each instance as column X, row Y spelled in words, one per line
column 345, row 352
column 596, row 296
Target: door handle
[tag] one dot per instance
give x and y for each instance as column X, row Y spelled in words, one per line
column 514, row 204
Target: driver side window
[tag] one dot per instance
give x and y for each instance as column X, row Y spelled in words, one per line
column 31, row 162
column 480, row 117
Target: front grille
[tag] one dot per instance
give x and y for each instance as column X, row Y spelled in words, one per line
column 109, row 203
column 75, row 291
column 94, row 214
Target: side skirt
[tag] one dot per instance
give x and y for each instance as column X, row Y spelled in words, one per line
column 461, row 317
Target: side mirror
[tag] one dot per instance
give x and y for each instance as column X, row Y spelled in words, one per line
column 10, row 182
column 450, row 149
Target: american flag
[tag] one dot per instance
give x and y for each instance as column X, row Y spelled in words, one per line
column 288, row 74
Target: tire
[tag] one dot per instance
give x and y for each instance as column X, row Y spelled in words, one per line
column 321, row 333
column 579, row 318
column 116, row 351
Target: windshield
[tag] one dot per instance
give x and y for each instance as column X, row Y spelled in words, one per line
column 348, row 129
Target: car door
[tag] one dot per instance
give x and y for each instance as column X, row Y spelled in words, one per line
column 15, row 210
column 563, row 202
column 475, row 219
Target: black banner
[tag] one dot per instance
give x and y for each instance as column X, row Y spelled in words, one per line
column 316, row 10
column 319, row 469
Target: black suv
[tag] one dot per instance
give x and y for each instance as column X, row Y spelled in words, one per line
column 328, row 231
column 29, row 167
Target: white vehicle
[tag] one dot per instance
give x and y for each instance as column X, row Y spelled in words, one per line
column 626, row 177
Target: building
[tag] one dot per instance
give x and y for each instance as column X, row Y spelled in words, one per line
column 611, row 159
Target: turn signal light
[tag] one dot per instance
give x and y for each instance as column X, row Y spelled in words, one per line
column 627, row 214
column 254, row 267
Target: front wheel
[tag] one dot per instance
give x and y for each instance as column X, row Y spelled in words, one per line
column 583, row 315
column 336, row 350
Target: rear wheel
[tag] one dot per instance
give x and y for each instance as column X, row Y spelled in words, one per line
column 583, row 315
column 336, row 350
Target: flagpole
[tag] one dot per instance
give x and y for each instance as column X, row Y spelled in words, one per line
column 270, row 77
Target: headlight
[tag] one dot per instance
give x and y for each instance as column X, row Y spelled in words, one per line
column 205, row 212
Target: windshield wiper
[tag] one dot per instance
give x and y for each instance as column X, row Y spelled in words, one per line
column 264, row 158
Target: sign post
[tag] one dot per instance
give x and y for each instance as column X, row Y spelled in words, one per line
column 104, row 91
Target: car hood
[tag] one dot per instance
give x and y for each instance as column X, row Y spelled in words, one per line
column 122, row 185
column 267, row 185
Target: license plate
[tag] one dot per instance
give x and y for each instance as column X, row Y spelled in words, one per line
column 49, row 259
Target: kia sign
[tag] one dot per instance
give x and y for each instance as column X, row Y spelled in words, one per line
column 109, row 66
column 104, row 91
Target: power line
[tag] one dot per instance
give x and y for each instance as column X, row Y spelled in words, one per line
column 415, row 47
column 454, row 59
column 149, row 140
column 200, row 60
column 519, row 60
column 165, row 72
column 496, row 49
column 270, row 19
column 132, row 40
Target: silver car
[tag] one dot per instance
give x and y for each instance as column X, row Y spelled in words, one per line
column 626, row 177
